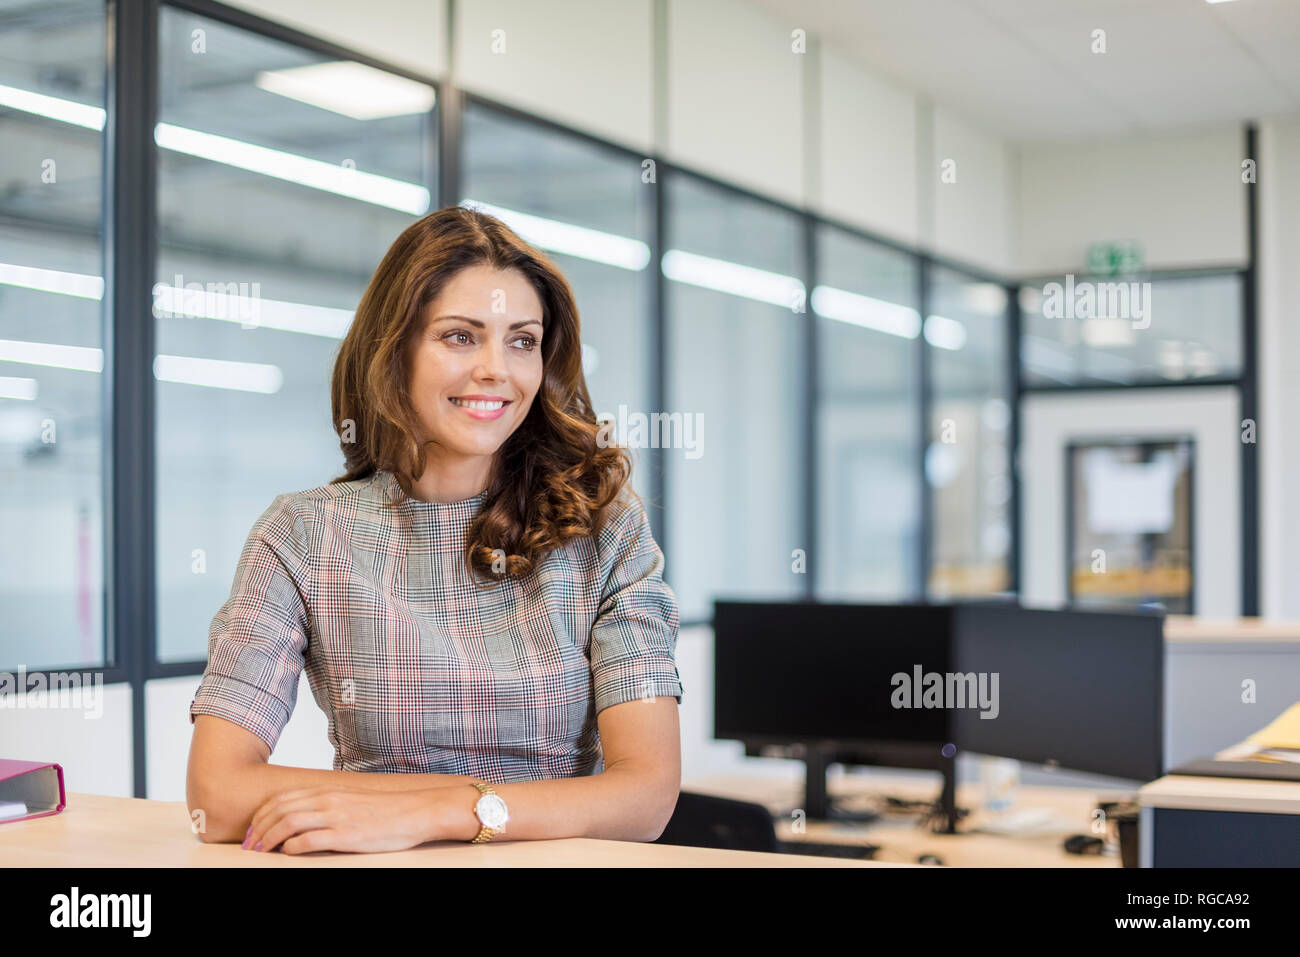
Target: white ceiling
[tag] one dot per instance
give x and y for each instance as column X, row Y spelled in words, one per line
column 1025, row 68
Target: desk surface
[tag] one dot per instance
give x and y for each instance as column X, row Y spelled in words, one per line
column 1222, row 794
column 901, row 840
column 1194, row 628
column 99, row 831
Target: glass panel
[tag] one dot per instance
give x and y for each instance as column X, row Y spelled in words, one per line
column 279, row 190
column 735, row 365
column 968, row 460
column 586, row 206
column 51, row 335
column 1082, row 332
column 868, row 337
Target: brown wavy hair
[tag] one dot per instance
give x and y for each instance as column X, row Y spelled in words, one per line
column 552, row 480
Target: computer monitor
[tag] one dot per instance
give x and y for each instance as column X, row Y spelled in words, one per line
column 1077, row 689
column 793, row 672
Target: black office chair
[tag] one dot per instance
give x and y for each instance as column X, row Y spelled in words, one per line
column 702, row 820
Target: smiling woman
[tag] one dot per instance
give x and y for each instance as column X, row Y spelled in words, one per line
column 478, row 600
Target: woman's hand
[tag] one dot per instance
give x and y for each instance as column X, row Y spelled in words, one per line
column 345, row 819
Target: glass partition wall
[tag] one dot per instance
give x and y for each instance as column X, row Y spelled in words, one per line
column 827, row 414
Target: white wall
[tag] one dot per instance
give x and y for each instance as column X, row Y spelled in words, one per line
column 1279, row 366
column 95, row 752
column 869, row 173
column 406, row 33
column 1210, row 415
column 735, row 96
column 973, row 213
column 1179, row 195
column 579, row 62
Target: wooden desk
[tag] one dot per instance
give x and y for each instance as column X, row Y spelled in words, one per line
column 99, row 831
column 901, row 840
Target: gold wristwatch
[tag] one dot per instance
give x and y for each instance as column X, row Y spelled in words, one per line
column 491, row 813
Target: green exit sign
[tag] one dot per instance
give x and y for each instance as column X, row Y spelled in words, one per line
column 1115, row 258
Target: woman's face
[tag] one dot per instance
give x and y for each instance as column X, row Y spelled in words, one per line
column 478, row 363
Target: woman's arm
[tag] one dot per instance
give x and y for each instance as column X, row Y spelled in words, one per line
column 228, row 778
column 631, row 801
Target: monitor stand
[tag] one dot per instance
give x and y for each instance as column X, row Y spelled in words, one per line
column 817, row 758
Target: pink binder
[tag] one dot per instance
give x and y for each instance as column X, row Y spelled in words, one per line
column 36, row 784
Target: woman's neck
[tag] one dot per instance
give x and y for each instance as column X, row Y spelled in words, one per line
column 452, row 480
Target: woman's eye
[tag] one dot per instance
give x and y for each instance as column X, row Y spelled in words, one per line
column 528, row 343
column 460, row 338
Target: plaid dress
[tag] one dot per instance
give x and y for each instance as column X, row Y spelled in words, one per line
column 416, row 668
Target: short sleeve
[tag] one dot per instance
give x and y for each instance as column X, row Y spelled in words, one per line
column 634, row 638
column 257, row 642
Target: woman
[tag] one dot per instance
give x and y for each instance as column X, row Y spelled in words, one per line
column 478, row 600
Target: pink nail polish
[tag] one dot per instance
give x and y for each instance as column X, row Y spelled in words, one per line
column 257, row 846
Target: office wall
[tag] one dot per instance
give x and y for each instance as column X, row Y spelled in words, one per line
column 95, row 752
column 546, row 57
column 1279, row 367
column 1209, row 415
column 869, row 173
column 1180, row 195
column 973, row 204
column 735, row 96
column 406, row 33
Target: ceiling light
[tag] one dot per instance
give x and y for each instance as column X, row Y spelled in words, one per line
column 52, row 107
column 77, row 358
column 219, row 373
column 331, row 178
column 569, row 239
column 944, row 333
column 732, row 278
column 865, row 311
column 52, row 280
column 13, row 387
column 342, row 181
column 349, row 88
column 251, row 311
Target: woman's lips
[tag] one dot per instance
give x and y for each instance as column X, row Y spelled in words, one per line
column 481, row 408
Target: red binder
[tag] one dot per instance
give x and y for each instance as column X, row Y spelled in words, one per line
column 36, row 785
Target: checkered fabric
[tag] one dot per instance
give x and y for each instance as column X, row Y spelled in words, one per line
column 419, row 670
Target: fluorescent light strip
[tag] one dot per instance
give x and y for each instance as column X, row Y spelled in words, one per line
column 169, row 300
column 944, row 333
column 732, row 278
column 52, row 107
column 252, row 311
column 52, row 280
column 77, row 358
column 14, row 387
column 590, row 244
column 350, row 89
column 214, row 373
column 354, row 184
column 866, row 311
column 219, row 373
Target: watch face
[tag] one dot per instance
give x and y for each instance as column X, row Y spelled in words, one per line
column 491, row 811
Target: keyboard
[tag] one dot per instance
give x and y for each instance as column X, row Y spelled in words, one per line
column 862, row 852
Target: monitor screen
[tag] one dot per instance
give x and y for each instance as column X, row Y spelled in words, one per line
column 1079, row 689
column 787, row 672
